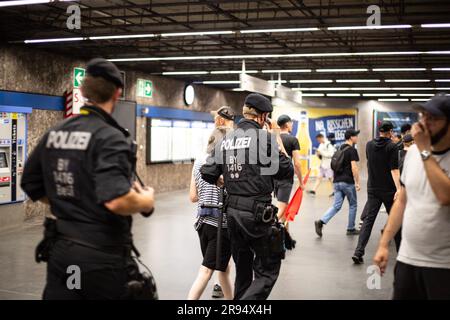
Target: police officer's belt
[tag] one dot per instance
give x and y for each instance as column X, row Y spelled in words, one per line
column 244, row 204
column 105, row 239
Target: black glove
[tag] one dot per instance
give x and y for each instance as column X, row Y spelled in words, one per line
column 289, row 243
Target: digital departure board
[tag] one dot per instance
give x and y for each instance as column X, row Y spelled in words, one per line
column 170, row 140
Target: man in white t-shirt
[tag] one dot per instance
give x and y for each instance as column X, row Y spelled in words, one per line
column 325, row 152
column 423, row 210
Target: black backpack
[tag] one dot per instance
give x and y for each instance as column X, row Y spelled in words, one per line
column 337, row 161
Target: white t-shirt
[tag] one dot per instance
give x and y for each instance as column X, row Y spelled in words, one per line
column 327, row 151
column 426, row 223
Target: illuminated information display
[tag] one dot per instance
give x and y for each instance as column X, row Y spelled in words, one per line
column 176, row 140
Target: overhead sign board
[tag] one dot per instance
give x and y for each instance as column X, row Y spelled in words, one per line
column 253, row 84
column 286, row 93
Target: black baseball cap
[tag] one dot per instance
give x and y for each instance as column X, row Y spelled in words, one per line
column 105, row 69
column 438, row 106
column 259, row 102
column 351, row 133
column 224, row 112
column 386, row 126
column 283, row 119
column 404, row 128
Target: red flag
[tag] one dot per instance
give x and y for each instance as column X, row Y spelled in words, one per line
column 294, row 206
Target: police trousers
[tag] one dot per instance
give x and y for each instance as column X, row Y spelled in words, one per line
column 257, row 268
column 76, row 272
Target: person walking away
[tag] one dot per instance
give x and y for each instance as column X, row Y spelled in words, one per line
column 250, row 159
column 382, row 185
column 346, row 184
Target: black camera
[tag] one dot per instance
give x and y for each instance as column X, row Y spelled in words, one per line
column 140, row 285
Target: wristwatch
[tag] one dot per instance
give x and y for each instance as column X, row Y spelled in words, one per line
column 425, row 154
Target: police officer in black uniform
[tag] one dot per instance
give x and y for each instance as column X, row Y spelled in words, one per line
column 249, row 159
column 83, row 168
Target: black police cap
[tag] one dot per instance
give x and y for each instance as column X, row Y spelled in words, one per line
column 259, row 102
column 105, row 69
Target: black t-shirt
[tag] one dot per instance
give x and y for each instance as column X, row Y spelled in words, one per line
column 346, row 175
column 382, row 157
column 290, row 143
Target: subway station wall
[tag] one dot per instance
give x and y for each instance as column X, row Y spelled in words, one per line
column 40, row 72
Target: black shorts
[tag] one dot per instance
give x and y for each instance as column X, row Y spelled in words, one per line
column 208, row 244
column 283, row 190
column 420, row 283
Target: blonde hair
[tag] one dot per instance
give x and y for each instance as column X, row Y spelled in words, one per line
column 250, row 111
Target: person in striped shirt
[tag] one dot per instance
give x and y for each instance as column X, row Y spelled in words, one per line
column 206, row 225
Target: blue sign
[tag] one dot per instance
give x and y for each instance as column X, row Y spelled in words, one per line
column 331, row 124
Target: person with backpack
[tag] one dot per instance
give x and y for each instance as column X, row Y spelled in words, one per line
column 346, row 183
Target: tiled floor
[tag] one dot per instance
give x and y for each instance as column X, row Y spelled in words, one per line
column 316, row 269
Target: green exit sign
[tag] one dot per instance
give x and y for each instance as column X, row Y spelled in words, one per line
column 144, row 88
column 78, row 76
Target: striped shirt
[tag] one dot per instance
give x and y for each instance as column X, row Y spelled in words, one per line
column 207, row 194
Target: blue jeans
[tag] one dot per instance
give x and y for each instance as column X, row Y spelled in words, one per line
column 342, row 190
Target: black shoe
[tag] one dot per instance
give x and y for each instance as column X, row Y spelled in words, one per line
column 353, row 232
column 217, row 292
column 312, row 192
column 357, row 259
column 319, row 225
